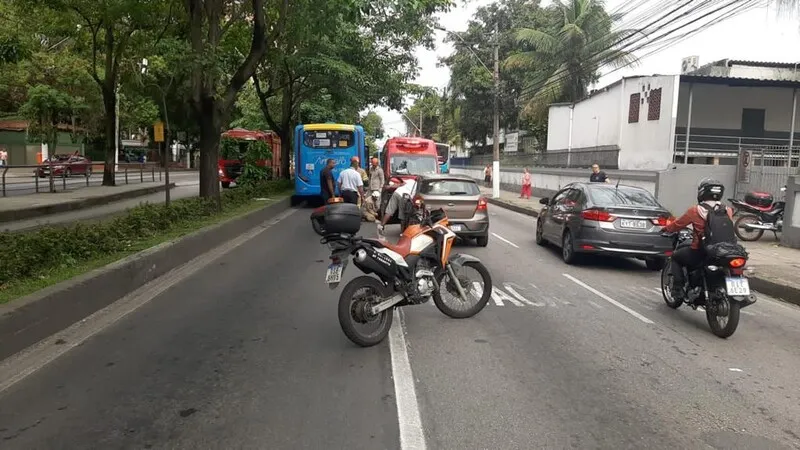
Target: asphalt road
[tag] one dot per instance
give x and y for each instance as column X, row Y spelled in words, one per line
column 184, row 187
column 247, row 353
column 16, row 186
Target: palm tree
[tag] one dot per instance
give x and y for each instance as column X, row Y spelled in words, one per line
column 567, row 61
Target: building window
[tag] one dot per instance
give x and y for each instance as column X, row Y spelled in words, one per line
column 654, row 107
column 633, row 108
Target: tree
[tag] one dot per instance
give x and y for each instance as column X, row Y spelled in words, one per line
column 45, row 110
column 573, row 53
column 105, row 32
column 373, row 128
column 339, row 57
column 216, row 28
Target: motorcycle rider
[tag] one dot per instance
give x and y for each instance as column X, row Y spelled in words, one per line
column 709, row 195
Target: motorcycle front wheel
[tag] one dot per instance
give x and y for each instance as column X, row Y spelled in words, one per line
column 742, row 233
column 459, row 308
column 723, row 325
column 357, row 296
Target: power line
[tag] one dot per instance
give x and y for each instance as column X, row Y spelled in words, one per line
column 563, row 74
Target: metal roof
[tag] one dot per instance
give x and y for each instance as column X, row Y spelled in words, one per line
column 739, row 72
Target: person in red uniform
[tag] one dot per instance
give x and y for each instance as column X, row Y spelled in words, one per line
column 709, row 195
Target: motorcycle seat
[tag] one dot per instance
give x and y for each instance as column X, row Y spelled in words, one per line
column 402, row 248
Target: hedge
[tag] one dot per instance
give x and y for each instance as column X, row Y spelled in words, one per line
column 31, row 254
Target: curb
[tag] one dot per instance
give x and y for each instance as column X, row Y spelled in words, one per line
column 30, row 319
column 46, row 210
column 512, row 207
column 788, row 294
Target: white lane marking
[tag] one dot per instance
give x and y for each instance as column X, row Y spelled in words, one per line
column 608, row 299
column 408, row 416
column 17, row 367
column 499, row 296
column 505, row 240
column 734, row 369
column 519, row 296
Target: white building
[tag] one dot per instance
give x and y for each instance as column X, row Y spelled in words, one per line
column 715, row 112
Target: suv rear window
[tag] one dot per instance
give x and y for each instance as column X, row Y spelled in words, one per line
column 450, row 187
column 622, row 196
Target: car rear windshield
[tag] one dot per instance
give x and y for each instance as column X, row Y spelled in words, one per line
column 450, row 187
column 622, row 196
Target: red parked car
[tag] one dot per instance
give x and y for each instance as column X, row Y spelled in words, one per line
column 65, row 165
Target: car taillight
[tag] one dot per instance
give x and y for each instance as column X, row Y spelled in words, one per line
column 597, row 215
column 482, row 205
column 737, row 262
column 662, row 221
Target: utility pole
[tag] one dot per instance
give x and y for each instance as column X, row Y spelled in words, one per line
column 496, row 120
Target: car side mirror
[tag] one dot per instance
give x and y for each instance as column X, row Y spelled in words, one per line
column 544, row 201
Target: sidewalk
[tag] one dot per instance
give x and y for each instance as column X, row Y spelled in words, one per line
column 37, row 205
column 775, row 268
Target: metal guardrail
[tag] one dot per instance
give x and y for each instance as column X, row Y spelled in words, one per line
column 129, row 172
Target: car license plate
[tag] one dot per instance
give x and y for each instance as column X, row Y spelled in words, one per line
column 455, row 227
column 636, row 224
column 334, row 274
column 737, row 286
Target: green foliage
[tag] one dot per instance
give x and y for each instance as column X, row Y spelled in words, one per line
column 229, row 148
column 34, row 254
column 45, row 109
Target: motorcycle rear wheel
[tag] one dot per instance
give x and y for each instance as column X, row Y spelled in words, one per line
column 727, row 330
column 474, row 309
column 318, row 223
column 741, row 233
column 666, row 286
column 352, row 311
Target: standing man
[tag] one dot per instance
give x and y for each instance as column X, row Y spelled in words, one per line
column 3, row 156
column 326, row 181
column 487, row 175
column 350, row 183
column 598, row 176
column 376, row 178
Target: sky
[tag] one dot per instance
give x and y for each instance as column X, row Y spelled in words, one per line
column 757, row 35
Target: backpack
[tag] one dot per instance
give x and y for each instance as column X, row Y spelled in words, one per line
column 719, row 227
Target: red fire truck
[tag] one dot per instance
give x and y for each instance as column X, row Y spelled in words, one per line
column 231, row 168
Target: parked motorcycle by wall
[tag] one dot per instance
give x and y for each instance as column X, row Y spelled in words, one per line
column 757, row 214
column 420, row 267
column 718, row 285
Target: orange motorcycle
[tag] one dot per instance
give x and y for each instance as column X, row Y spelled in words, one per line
column 419, row 267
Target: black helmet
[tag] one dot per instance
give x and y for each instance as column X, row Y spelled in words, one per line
column 710, row 189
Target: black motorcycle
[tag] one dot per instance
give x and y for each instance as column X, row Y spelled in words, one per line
column 758, row 217
column 718, row 285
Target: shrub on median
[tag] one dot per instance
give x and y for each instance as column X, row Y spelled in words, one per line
column 32, row 254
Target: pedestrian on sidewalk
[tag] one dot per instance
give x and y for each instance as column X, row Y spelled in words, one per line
column 526, row 185
column 598, row 176
column 487, row 175
column 3, row 157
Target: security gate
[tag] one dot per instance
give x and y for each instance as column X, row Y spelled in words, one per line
column 765, row 168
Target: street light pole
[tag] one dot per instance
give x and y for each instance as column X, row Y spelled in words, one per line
column 496, row 119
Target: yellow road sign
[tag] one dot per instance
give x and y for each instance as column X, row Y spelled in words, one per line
column 158, row 131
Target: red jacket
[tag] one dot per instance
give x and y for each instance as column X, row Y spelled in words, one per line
column 696, row 217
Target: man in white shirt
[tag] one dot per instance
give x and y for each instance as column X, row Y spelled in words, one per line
column 351, row 185
column 396, row 201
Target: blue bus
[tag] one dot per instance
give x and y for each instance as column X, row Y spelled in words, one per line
column 443, row 151
column 314, row 144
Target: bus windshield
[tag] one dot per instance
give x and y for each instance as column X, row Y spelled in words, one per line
column 406, row 164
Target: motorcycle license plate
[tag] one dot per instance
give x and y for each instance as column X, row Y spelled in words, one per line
column 334, row 274
column 737, row 286
column 455, row 227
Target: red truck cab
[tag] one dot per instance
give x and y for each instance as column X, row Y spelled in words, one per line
column 403, row 158
column 231, row 168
